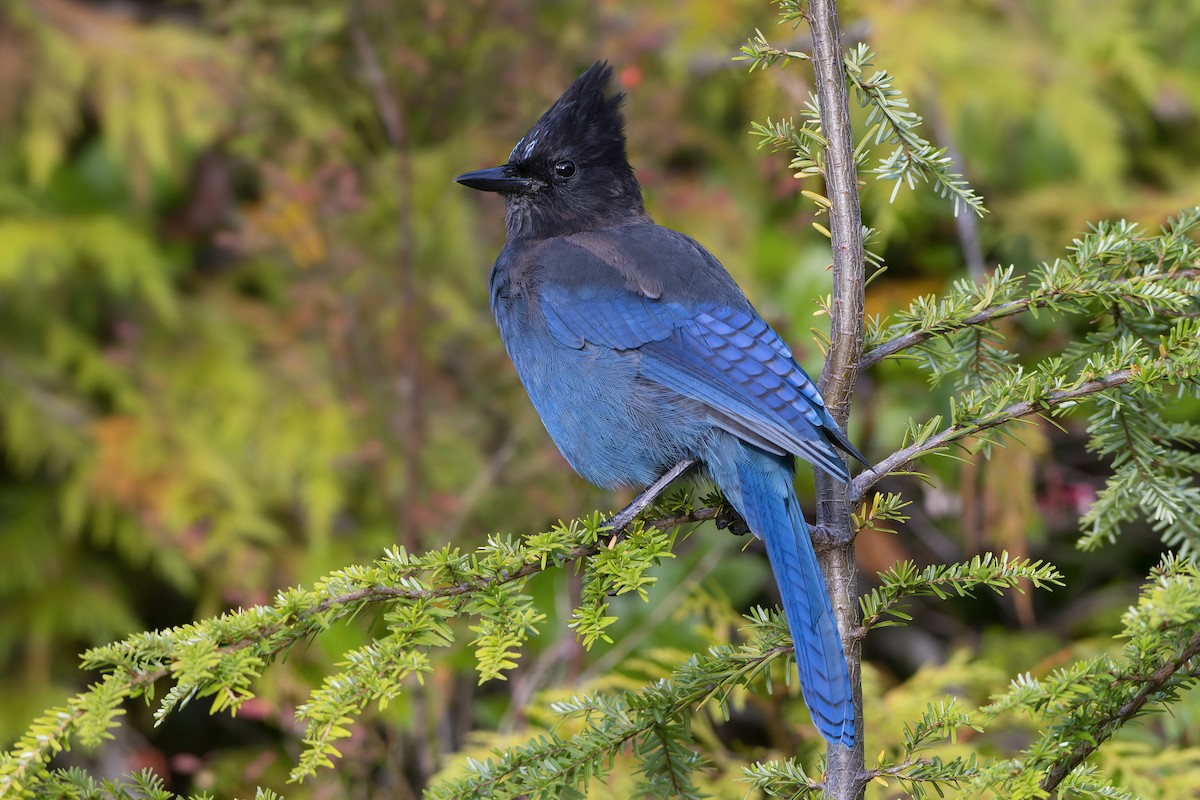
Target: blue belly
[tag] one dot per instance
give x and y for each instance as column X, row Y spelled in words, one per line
column 613, row 427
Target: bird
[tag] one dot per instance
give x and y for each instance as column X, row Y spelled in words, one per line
column 638, row 350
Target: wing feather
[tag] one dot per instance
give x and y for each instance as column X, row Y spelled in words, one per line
column 724, row 357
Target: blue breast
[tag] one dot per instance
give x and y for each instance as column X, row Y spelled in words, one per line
column 614, row 428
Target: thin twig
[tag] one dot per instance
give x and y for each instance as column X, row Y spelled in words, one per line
column 1105, row 727
column 1006, row 309
column 337, row 606
column 863, row 483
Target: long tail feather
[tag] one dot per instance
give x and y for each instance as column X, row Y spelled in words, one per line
column 759, row 486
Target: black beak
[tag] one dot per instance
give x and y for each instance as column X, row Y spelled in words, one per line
column 497, row 179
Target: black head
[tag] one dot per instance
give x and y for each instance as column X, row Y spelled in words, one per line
column 569, row 172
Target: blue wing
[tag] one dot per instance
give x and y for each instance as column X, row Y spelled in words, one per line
column 720, row 354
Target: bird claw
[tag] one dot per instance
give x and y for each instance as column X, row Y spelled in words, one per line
column 728, row 519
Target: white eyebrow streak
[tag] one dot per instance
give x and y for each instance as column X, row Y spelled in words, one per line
column 529, row 147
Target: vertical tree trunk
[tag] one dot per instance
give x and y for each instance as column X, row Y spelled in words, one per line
column 835, row 537
column 408, row 427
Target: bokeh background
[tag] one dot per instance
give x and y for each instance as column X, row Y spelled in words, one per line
column 245, row 337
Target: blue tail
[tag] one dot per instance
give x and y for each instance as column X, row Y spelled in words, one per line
column 759, row 486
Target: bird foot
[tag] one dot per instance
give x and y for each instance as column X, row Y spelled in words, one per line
column 728, row 519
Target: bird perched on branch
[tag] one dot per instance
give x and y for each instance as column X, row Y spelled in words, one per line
column 639, row 351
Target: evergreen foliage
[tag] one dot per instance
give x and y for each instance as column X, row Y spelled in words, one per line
column 1126, row 296
column 889, row 121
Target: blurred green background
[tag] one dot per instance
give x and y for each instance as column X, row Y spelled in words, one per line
column 245, row 337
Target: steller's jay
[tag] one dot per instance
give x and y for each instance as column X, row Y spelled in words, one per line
column 639, row 351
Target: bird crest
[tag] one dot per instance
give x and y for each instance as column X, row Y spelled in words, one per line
column 586, row 120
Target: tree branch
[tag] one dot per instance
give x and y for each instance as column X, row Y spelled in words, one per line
column 863, row 483
column 570, row 754
column 321, row 615
column 302, row 625
column 1104, row 728
column 1011, row 308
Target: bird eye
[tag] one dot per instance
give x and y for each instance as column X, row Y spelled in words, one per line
column 564, row 169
